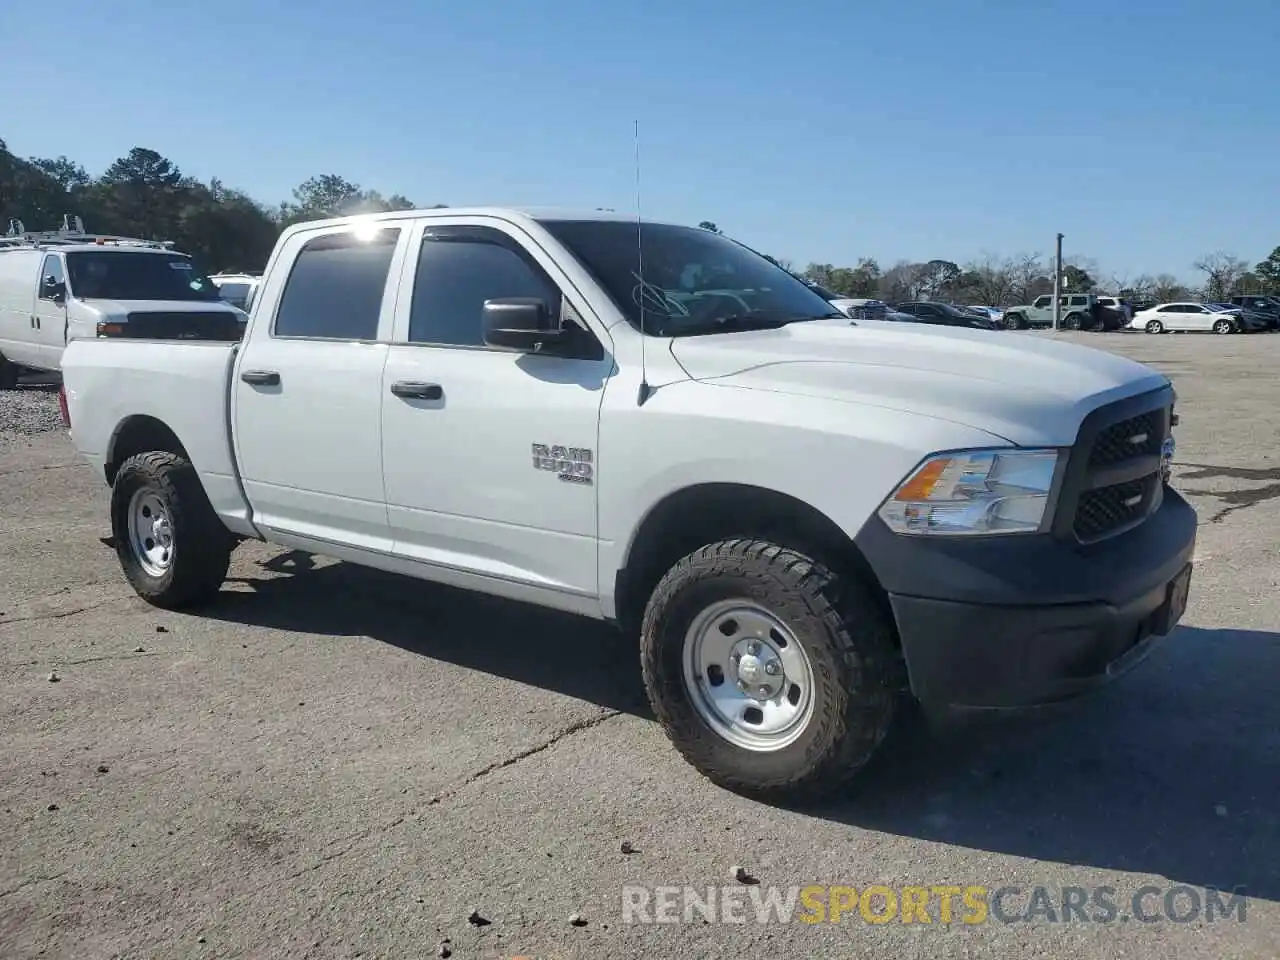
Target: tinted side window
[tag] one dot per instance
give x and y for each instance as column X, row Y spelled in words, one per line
column 336, row 285
column 458, row 270
column 52, row 268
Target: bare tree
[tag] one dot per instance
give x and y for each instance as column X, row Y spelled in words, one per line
column 1143, row 286
column 1221, row 274
column 990, row 280
column 1027, row 276
column 1166, row 287
column 904, row 281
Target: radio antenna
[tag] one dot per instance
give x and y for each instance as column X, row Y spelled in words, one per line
column 644, row 391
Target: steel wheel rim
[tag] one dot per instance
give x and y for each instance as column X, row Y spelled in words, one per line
column 150, row 532
column 748, row 676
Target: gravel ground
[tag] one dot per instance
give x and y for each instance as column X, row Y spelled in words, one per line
column 334, row 762
column 30, row 410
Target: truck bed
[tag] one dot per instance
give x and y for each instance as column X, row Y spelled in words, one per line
column 182, row 384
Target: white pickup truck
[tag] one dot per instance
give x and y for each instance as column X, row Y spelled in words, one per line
column 805, row 519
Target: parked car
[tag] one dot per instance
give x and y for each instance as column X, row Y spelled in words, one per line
column 943, row 314
column 1267, row 308
column 1188, row 316
column 237, row 289
column 799, row 520
column 1116, row 303
column 1077, row 313
column 858, row 308
column 994, row 314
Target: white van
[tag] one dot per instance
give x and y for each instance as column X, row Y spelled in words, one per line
column 64, row 284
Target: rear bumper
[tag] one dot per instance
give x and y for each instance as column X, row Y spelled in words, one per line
column 1034, row 619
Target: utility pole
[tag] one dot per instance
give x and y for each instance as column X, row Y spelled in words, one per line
column 1057, row 285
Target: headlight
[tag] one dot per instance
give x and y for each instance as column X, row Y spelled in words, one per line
column 974, row 492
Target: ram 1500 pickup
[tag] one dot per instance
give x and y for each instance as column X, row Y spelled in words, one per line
column 805, row 519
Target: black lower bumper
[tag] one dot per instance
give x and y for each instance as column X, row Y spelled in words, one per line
column 996, row 622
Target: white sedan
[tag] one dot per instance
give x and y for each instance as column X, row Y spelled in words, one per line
column 1187, row 317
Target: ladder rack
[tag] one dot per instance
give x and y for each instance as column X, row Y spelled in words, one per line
column 72, row 231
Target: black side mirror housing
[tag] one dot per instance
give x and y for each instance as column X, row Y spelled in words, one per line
column 522, row 323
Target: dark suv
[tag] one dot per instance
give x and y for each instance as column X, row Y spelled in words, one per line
column 1264, row 308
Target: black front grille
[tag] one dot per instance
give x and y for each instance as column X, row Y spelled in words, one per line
column 183, row 325
column 1139, row 436
column 1113, row 479
column 1108, row 509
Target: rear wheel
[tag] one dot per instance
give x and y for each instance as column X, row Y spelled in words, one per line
column 1073, row 321
column 1224, row 326
column 772, row 675
column 172, row 547
column 1155, row 326
column 8, row 373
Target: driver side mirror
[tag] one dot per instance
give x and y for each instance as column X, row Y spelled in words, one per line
column 53, row 289
column 523, row 323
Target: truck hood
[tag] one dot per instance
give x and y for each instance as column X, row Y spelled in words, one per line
column 115, row 307
column 1023, row 388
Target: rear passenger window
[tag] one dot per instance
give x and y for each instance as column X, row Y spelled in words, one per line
column 335, row 288
column 459, row 268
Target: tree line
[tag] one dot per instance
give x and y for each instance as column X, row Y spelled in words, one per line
column 145, row 194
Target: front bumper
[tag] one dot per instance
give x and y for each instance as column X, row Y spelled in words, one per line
column 1021, row 620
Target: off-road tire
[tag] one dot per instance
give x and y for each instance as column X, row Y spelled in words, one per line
column 8, row 373
column 202, row 544
column 1014, row 321
column 849, row 642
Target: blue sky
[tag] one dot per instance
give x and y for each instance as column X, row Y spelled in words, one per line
column 812, row 130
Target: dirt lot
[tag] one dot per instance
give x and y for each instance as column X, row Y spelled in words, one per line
column 332, row 762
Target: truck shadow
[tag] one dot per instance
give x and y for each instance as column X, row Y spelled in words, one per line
column 1173, row 771
column 587, row 660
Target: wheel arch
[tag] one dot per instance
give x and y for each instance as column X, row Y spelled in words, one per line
column 703, row 513
column 139, row 433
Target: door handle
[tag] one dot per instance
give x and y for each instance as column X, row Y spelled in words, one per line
column 261, row 378
column 416, row 390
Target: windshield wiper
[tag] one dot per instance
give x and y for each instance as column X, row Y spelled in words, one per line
column 740, row 322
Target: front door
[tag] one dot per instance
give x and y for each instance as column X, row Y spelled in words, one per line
column 307, row 387
column 50, row 315
column 489, row 454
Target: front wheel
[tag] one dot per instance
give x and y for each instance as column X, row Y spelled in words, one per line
column 172, row 547
column 774, row 676
column 1224, row 326
column 1014, row 321
column 1155, row 326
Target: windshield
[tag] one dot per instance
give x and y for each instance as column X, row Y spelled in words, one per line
column 695, row 281
column 123, row 275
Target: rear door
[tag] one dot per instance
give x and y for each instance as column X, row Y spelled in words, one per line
column 307, row 389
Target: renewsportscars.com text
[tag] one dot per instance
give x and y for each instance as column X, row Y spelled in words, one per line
column 941, row 904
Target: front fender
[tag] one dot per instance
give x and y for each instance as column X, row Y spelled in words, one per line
column 841, row 459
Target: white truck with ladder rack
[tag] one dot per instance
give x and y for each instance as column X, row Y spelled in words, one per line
column 58, row 285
